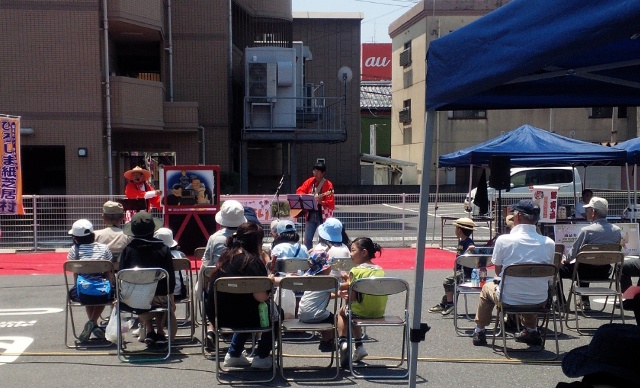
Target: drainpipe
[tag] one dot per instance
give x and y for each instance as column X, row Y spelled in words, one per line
column 170, row 50
column 107, row 93
column 202, row 145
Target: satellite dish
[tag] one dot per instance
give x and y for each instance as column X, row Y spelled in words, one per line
column 345, row 74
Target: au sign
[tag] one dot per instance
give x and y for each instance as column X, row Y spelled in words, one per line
column 376, row 62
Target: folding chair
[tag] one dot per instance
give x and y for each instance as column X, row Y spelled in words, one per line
column 545, row 308
column 203, row 278
column 242, row 285
column 134, row 279
column 468, row 260
column 198, row 254
column 179, row 265
column 386, row 286
column 75, row 267
column 559, row 306
column 299, row 284
column 341, row 264
column 597, row 258
column 291, row 265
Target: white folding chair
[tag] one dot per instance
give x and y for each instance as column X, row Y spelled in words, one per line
column 468, row 260
column 385, row 286
column 300, row 284
column 71, row 269
column 241, row 285
column 593, row 257
column 132, row 279
column 291, row 265
column 544, row 309
column 183, row 265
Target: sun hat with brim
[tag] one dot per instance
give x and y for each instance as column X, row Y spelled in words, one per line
column 465, row 223
column 612, row 350
column 111, row 207
column 231, row 214
column 285, row 226
column 142, row 224
column 331, row 230
column 145, row 173
column 81, row 228
column 166, row 235
column 318, row 262
column 598, row 203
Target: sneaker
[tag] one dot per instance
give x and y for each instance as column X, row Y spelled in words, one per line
column 479, row 338
column 161, row 339
column 210, row 342
column 438, row 308
column 262, row 363
column 344, row 354
column 448, row 309
column 529, row 337
column 359, row 353
column 86, row 332
column 327, row 346
column 150, row 338
column 142, row 333
column 98, row 333
column 230, row 361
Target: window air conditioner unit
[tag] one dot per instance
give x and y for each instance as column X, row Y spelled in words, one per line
column 405, row 58
column 405, row 115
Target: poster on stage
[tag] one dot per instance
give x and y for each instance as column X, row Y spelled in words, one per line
column 568, row 233
column 547, row 198
column 266, row 207
column 191, row 187
column 11, row 193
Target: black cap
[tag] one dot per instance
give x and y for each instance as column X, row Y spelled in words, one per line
column 526, row 206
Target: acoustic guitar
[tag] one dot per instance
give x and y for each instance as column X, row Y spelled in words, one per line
column 297, row 212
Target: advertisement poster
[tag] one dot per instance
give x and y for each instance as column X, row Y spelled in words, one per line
column 266, row 207
column 567, row 234
column 11, row 193
column 547, row 198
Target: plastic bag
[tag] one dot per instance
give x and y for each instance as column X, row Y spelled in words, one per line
column 111, row 332
column 288, row 303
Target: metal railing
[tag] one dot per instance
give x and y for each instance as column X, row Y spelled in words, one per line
column 391, row 219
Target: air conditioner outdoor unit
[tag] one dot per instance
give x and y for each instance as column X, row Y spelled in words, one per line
column 261, row 79
column 405, row 115
column 405, row 58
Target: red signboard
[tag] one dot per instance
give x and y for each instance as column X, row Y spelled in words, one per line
column 376, row 61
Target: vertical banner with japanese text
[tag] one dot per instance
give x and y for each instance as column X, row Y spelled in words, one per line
column 10, row 173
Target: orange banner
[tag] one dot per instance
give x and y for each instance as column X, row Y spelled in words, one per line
column 10, row 173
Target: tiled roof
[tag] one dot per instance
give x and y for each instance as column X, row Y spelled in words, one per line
column 375, row 94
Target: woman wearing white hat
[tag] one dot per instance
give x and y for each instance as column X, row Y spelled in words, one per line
column 230, row 216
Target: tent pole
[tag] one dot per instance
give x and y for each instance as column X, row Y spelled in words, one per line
column 435, row 206
column 626, row 165
column 469, row 191
column 420, row 244
column 635, row 190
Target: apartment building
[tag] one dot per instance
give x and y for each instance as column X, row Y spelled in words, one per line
column 411, row 35
column 103, row 85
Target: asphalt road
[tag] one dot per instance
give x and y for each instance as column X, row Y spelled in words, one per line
column 32, row 326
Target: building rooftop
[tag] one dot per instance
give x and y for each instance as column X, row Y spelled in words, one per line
column 375, row 94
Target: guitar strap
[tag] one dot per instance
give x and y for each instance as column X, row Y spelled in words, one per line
column 318, row 191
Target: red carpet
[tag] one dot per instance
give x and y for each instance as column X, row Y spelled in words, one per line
column 47, row 263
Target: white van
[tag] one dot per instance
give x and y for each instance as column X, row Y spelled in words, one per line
column 523, row 178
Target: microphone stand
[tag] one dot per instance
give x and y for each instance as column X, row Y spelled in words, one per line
column 278, row 197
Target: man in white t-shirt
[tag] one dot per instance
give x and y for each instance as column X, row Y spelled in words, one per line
column 523, row 245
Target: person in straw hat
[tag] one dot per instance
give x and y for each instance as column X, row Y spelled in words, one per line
column 464, row 227
column 139, row 187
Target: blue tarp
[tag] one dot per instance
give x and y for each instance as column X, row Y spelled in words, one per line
column 529, row 146
column 632, row 146
column 539, row 54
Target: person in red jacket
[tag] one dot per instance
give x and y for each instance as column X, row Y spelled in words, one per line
column 138, row 187
column 322, row 189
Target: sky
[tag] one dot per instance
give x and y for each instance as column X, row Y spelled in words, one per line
column 378, row 14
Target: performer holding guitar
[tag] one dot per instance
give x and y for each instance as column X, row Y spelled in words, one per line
column 322, row 189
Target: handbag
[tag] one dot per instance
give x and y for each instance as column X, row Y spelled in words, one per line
column 93, row 289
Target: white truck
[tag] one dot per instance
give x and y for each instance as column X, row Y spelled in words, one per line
column 522, row 179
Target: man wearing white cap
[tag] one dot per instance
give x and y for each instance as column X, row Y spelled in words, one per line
column 600, row 231
column 112, row 235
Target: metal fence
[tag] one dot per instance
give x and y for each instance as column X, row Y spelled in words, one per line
column 389, row 218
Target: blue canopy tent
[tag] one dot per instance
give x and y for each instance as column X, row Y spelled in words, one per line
column 529, row 54
column 632, row 147
column 533, row 147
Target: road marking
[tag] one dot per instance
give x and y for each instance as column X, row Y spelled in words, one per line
column 6, row 324
column 14, row 346
column 31, row 311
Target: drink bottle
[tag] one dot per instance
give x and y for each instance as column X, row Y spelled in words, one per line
column 482, row 274
column 263, row 311
column 475, row 278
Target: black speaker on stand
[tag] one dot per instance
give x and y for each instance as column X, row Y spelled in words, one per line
column 500, row 179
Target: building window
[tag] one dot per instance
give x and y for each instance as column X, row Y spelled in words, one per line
column 405, row 55
column 467, row 114
column 405, row 114
column 406, row 135
column 605, row 112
